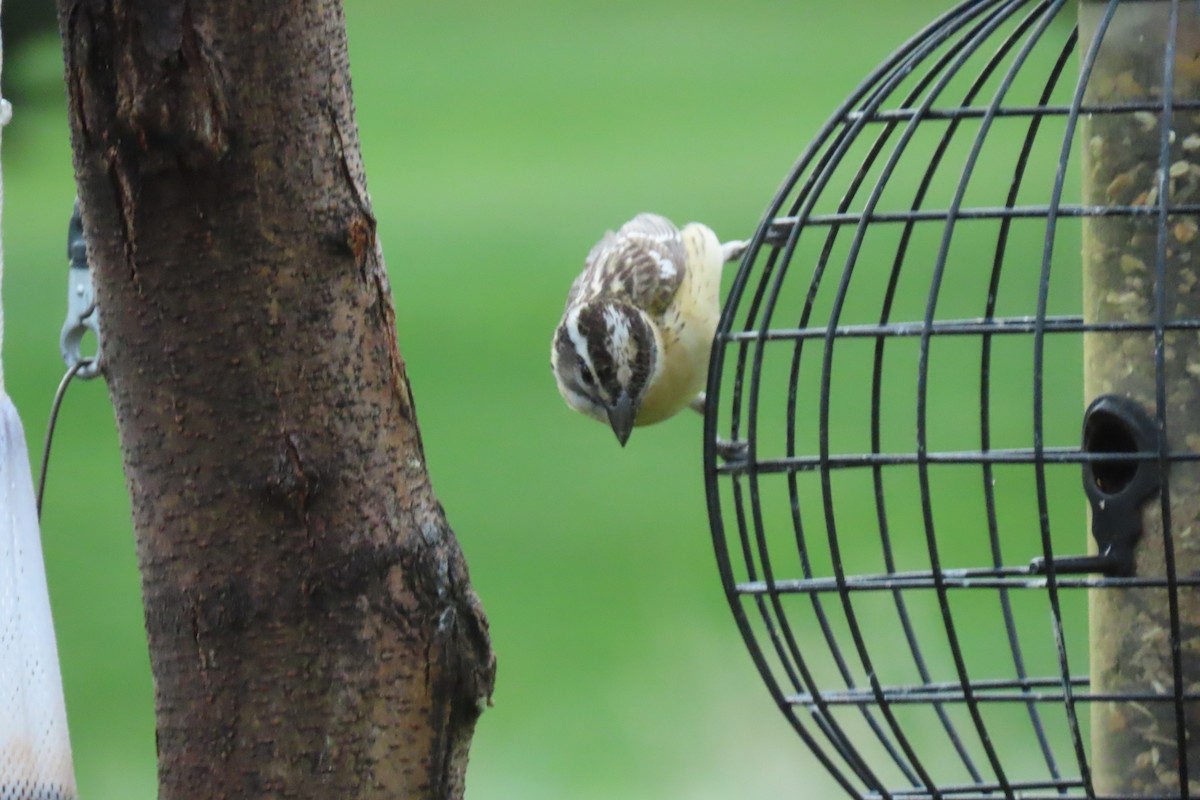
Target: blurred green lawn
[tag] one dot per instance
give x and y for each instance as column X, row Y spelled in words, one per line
column 499, row 144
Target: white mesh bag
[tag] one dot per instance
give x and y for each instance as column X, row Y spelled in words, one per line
column 35, row 752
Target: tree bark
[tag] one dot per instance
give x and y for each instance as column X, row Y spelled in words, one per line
column 312, row 629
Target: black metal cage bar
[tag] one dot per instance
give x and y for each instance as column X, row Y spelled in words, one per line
column 904, row 544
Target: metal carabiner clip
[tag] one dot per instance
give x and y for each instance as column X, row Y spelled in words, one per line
column 82, row 314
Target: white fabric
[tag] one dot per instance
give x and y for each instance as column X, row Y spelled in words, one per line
column 35, row 751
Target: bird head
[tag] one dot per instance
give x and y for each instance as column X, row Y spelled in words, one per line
column 604, row 357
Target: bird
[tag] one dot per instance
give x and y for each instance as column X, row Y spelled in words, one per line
column 633, row 344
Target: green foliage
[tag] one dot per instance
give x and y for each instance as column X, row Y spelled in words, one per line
column 500, row 144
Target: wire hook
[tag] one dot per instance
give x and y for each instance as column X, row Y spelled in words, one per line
column 82, row 314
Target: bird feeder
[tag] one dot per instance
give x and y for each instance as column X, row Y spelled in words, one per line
column 963, row 353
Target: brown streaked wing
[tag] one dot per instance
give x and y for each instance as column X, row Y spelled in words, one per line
column 643, row 262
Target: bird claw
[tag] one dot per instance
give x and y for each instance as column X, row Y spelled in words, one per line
column 733, row 452
column 732, row 251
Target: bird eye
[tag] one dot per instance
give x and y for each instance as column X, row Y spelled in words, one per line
column 585, row 374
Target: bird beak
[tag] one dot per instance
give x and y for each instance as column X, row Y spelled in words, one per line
column 620, row 417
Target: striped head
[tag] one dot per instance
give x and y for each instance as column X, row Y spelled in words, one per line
column 604, row 357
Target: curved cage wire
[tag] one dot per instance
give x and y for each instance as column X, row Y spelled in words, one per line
column 921, row 371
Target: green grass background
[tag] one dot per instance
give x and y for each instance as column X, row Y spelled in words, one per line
column 500, row 142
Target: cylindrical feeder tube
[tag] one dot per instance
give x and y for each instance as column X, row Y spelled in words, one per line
column 1148, row 239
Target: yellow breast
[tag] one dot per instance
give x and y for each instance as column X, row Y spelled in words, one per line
column 686, row 329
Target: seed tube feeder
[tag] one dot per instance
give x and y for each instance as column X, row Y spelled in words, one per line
column 963, row 353
column 1142, row 271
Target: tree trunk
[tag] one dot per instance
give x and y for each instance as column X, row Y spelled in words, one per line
column 312, row 629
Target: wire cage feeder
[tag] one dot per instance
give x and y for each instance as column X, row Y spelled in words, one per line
column 963, row 353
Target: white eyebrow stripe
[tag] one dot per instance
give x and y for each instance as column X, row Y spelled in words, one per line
column 578, row 340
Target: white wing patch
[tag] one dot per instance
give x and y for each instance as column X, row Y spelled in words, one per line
column 666, row 269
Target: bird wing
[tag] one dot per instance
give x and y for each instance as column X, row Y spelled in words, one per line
column 643, row 262
column 588, row 283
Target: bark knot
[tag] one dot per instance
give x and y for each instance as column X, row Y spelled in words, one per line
column 292, row 482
